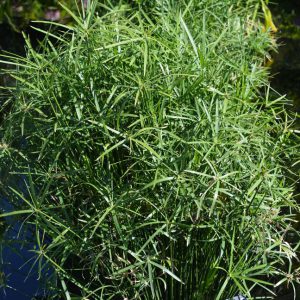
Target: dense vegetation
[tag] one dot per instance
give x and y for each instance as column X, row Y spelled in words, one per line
column 142, row 147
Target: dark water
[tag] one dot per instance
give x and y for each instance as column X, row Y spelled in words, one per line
column 18, row 279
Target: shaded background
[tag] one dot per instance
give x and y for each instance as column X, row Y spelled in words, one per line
column 286, row 66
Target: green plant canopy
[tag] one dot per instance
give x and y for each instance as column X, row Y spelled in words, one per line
column 142, row 144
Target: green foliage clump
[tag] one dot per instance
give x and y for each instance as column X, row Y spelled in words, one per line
column 150, row 160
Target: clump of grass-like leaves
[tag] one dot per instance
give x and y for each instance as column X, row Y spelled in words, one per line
column 149, row 158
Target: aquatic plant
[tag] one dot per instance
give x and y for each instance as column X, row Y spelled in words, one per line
column 142, row 145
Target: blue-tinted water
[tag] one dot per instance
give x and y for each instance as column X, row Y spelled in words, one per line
column 20, row 284
column 18, row 270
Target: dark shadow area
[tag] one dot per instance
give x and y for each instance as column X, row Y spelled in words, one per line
column 285, row 71
column 286, row 66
